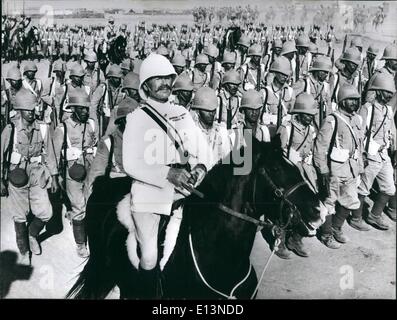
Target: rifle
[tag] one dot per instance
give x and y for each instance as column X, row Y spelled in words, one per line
column 360, row 88
column 297, row 69
column 258, row 77
column 321, row 111
column 98, row 76
column 212, row 74
column 344, row 43
column 333, row 58
column 279, row 111
column 8, row 107
column 50, row 68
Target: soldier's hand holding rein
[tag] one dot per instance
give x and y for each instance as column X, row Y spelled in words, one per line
column 178, row 177
column 198, row 174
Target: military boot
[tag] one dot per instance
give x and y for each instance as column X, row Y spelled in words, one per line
column 295, row 244
column 391, row 208
column 326, row 236
column 356, row 219
column 375, row 218
column 337, row 222
column 21, row 231
column 34, row 229
column 282, row 251
column 80, row 238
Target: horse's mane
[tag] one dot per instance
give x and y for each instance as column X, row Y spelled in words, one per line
column 222, row 173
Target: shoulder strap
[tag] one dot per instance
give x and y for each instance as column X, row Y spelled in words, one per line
column 220, row 109
column 156, row 119
column 333, row 138
column 383, row 121
column 336, row 84
column 110, row 144
column 7, row 155
column 350, row 128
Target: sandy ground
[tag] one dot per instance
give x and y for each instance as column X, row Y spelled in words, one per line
column 365, row 268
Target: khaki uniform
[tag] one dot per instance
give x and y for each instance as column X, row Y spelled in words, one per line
column 101, row 159
column 343, row 159
column 80, row 152
column 379, row 163
column 272, row 99
column 297, row 142
column 199, row 79
column 249, row 76
column 320, row 91
column 228, row 109
column 218, row 138
column 33, row 150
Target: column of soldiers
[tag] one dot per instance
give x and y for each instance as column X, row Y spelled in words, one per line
column 334, row 120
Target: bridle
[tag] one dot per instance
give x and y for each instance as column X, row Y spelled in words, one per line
column 277, row 229
column 281, row 194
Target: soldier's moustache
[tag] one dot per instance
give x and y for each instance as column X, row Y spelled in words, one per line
column 164, row 87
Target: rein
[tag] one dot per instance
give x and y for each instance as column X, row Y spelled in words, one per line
column 283, row 196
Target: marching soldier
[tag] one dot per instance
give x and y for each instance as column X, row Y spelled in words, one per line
column 93, row 76
column 75, row 141
column 316, row 85
column 297, row 141
column 29, row 168
column 279, row 96
column 214, row 66
column 14, row 78
column 131, row 86
column 377, row 120
column 390, row 67
column 228, row 63
column 351, row 59
column 179, row 64
column 30, row 82
column 338, row 158
column 203, row 111
column 199, row 76
column 158, row 181
column 106, row 97
column 125, row 67
column 75, row 87
column 289, row 51
column 252, row 73
column 229, row 100
column 302, row 57
column 370, row 64
column 242, row 47
column 183, row 91
column 250, row 109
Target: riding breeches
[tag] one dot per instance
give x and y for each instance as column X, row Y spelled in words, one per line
column 147, row 226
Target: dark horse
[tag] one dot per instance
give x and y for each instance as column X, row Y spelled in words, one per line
column 221, row 243
column 117, row 47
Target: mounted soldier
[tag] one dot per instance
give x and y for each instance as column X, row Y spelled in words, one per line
column 158, row 180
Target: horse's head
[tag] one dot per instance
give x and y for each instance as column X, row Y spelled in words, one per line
column 282, row 193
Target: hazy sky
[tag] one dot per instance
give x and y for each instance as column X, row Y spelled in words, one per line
column 33, row 5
